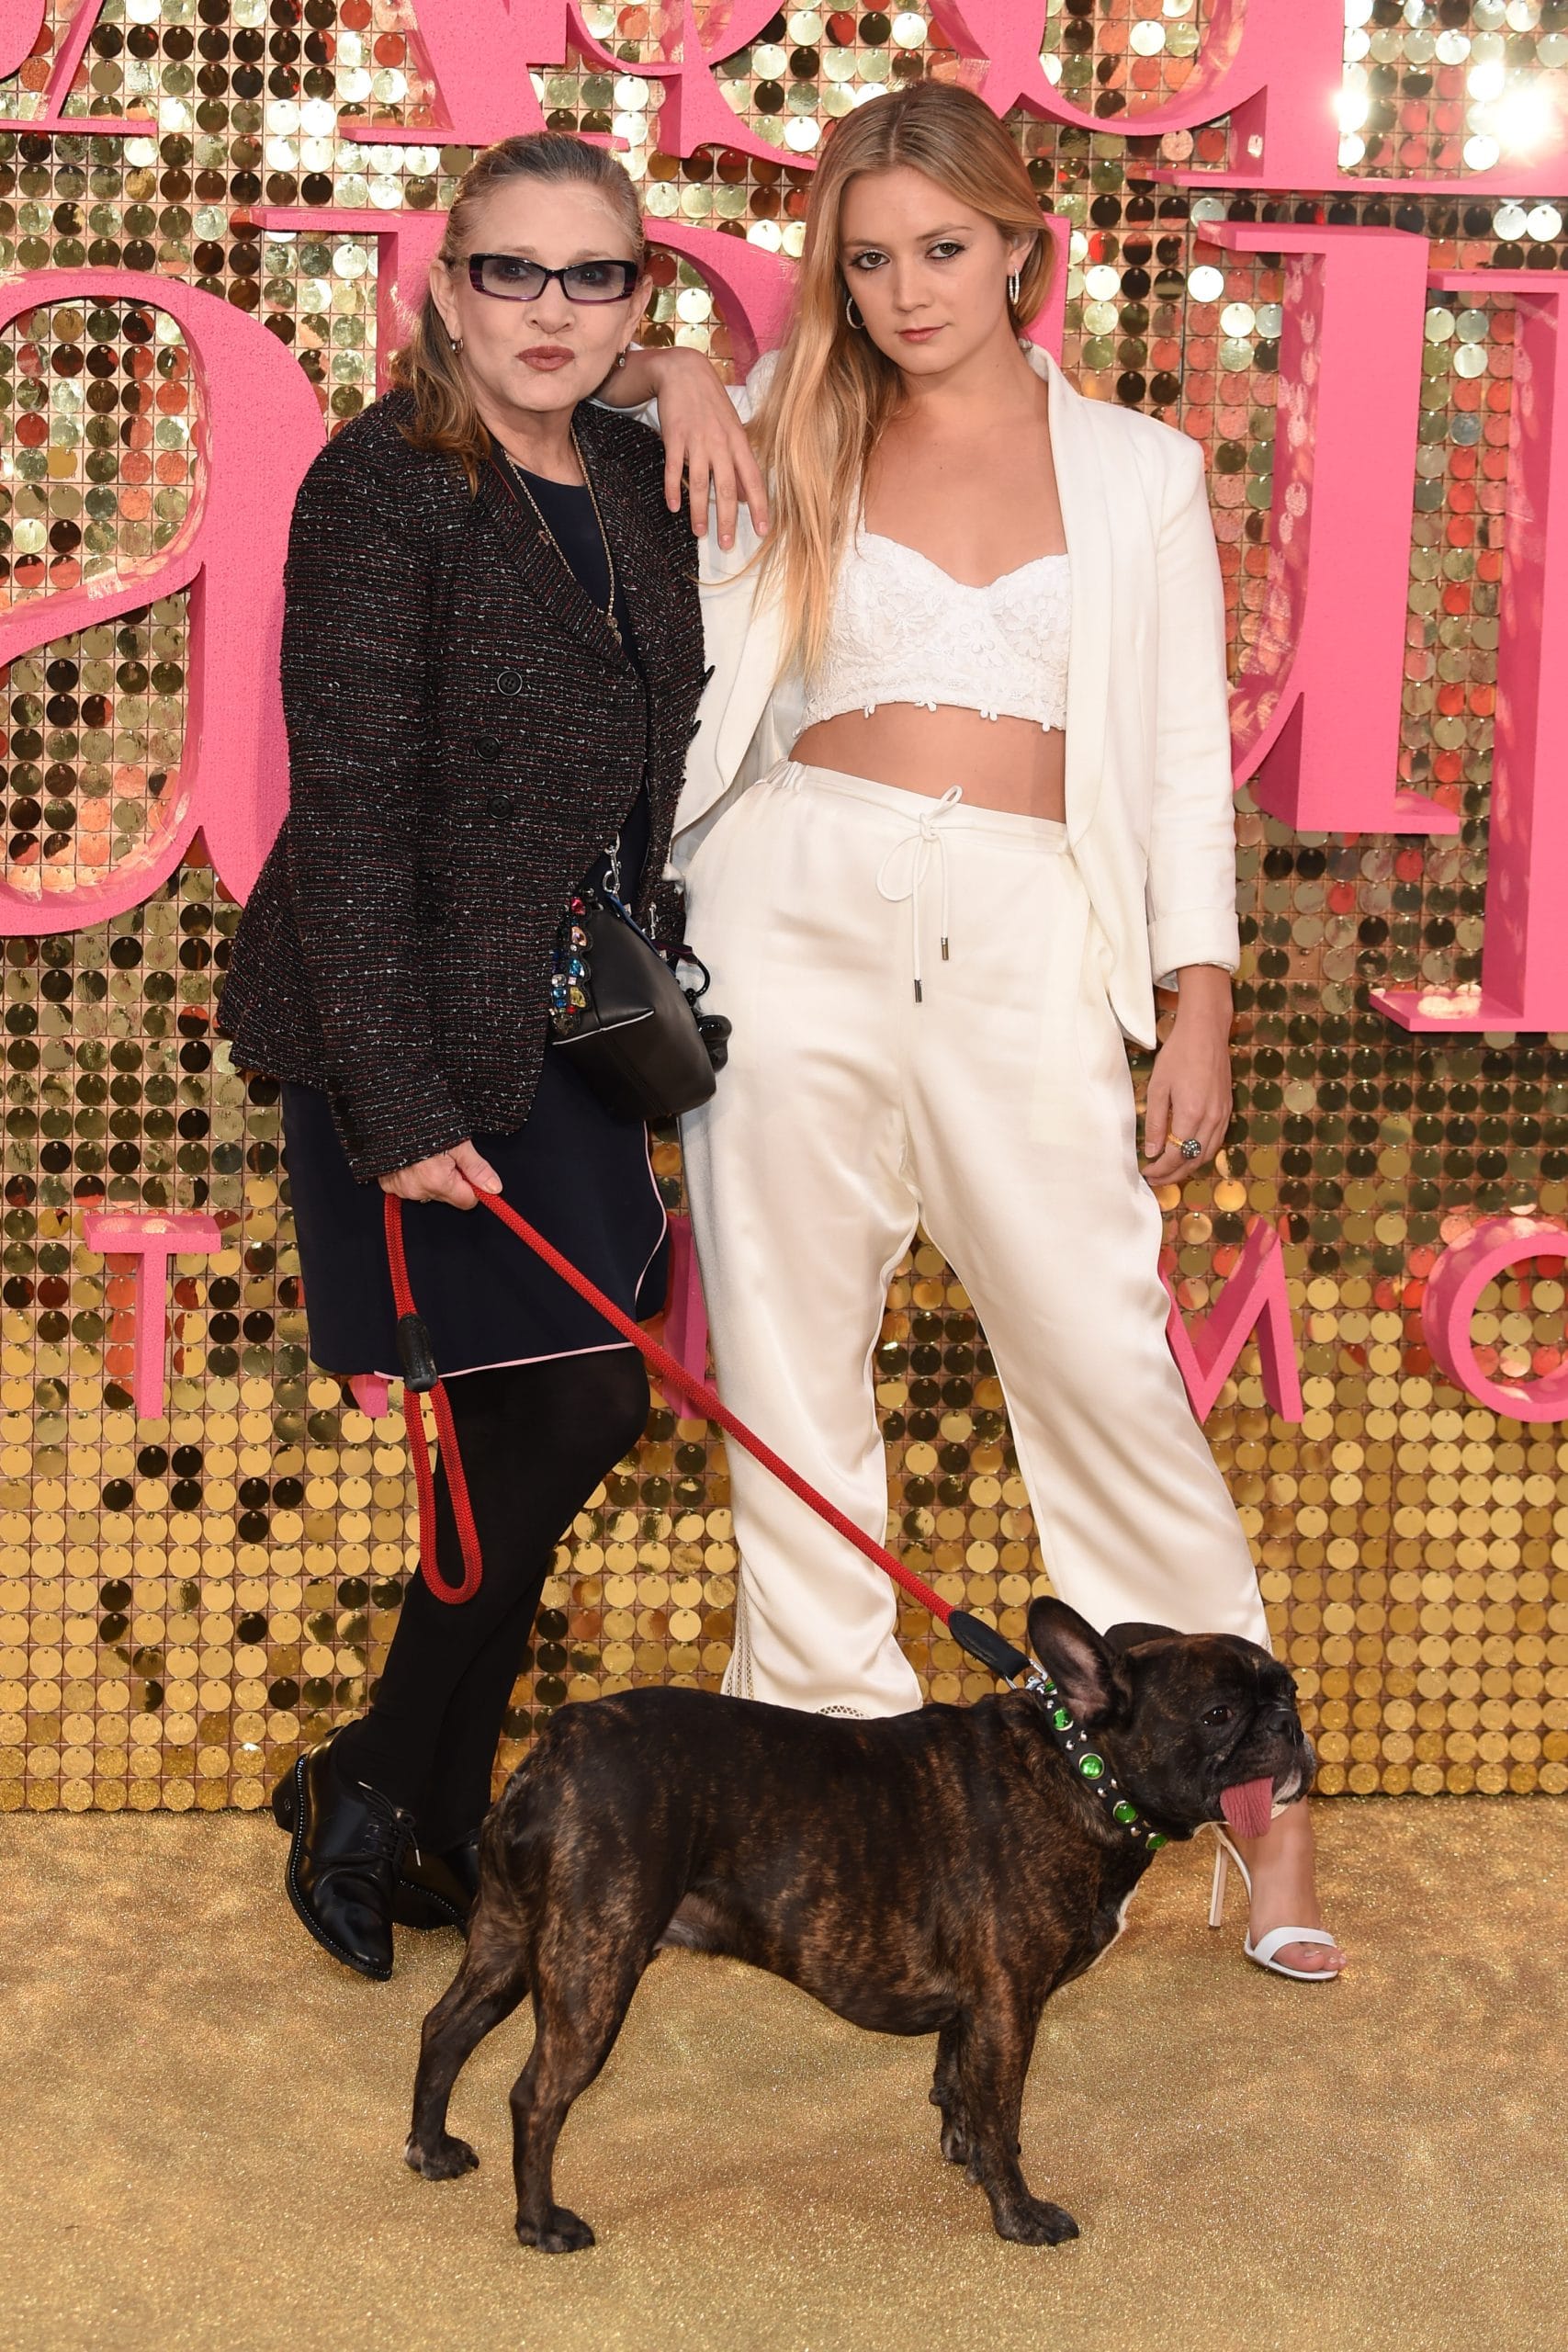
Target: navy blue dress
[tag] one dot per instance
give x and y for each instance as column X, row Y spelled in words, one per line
column 574, row 1170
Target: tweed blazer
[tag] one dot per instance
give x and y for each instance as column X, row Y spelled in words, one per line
column 465, row 734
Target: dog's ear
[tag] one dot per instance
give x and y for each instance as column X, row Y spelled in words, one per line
column 1120, row 1639
column 1092, row 1681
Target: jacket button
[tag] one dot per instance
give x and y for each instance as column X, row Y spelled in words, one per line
column 510, row 681
column 499, row 804
column 487, row 747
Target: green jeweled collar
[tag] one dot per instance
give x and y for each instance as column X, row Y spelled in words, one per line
column 1087, row 1762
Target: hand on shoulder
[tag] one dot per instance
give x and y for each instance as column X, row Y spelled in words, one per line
column 702, row 424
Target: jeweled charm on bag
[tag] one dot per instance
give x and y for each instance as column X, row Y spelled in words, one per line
column 620, row 1014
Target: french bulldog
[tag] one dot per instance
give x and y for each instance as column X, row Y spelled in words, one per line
column 942, row 1871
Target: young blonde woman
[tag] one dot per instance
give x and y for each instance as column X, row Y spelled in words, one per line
column 960, row 799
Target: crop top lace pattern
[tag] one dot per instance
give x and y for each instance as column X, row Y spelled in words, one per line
column 904, row 630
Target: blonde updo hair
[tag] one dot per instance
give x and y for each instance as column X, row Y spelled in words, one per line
column 445, row 417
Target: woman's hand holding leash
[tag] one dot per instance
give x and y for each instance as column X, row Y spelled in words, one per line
column 457, row 1177
column 1189, row 1091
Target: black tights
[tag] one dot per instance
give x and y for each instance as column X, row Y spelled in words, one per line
column 535, row 1440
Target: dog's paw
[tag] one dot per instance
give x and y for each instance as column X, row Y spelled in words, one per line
column 957, row 2148
column 448, row 2159
column 561, row 2232
column 1034, row 2222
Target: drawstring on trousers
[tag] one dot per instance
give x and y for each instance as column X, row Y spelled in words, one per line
column 919, row 844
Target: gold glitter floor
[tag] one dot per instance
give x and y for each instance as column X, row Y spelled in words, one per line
column 205, row 2116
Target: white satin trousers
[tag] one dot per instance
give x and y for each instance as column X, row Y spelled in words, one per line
column 879, row 1078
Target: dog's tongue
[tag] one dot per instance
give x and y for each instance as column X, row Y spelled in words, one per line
column 1248, row 1807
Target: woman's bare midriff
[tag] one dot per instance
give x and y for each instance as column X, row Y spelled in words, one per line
column 1010, row 763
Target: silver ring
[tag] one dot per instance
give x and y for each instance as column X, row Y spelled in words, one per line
column 1193, row 1147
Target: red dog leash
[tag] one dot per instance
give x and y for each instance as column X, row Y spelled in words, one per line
column 421, row 1375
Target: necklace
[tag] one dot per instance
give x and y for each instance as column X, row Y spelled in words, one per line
column 549, row 538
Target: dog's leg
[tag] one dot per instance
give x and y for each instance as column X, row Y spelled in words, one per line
column 945, row 2094
column 991, row 2062
column 492, row 1979
column 577, row 2016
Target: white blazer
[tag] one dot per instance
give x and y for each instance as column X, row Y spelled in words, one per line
column 1150, row 817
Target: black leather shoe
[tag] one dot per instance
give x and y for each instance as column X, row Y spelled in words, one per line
column 437, row 1890
column 345, row 1846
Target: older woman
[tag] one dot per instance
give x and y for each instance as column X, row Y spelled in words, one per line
column 491, row 661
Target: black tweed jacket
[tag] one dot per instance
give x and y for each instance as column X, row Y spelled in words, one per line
column 465, row 734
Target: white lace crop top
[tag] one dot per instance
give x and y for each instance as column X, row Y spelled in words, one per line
column 904, row 630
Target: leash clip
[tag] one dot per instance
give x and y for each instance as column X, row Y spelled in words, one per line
column 983, row 1641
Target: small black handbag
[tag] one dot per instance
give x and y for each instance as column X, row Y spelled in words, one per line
column 621, row 1017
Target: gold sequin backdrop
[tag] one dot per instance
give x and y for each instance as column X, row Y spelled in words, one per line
column 182, row 1601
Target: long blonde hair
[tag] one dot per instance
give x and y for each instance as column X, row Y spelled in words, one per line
column 444, row 416
column 833, row 390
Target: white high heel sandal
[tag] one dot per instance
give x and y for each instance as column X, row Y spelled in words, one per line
column 1262, row 1952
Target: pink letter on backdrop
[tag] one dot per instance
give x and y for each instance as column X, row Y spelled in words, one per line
column 1454, row 1286
column 1274, row 66
column 149, row 1242
column 477, row 55
column 695, row 112
column 754, row 287
column 258, row 428
column 1254, row 1297
column 1316, row 715
column 1524, row 968
column 406, row 243
column 21, row 21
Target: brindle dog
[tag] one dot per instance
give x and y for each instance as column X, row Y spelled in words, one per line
column 936, row 1872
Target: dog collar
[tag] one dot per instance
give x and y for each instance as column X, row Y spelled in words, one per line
column 1087, row 1763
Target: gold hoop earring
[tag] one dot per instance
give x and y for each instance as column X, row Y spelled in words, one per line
column 1012, row 287
column 850, row 313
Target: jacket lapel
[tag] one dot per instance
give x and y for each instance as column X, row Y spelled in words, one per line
column 1086, row 521
column 743, row 628
column 544, row 571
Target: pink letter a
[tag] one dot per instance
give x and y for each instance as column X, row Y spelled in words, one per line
column 1253, row 1299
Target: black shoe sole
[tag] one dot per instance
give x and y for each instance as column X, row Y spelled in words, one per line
column 415, row 1907
column 295, row 1785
